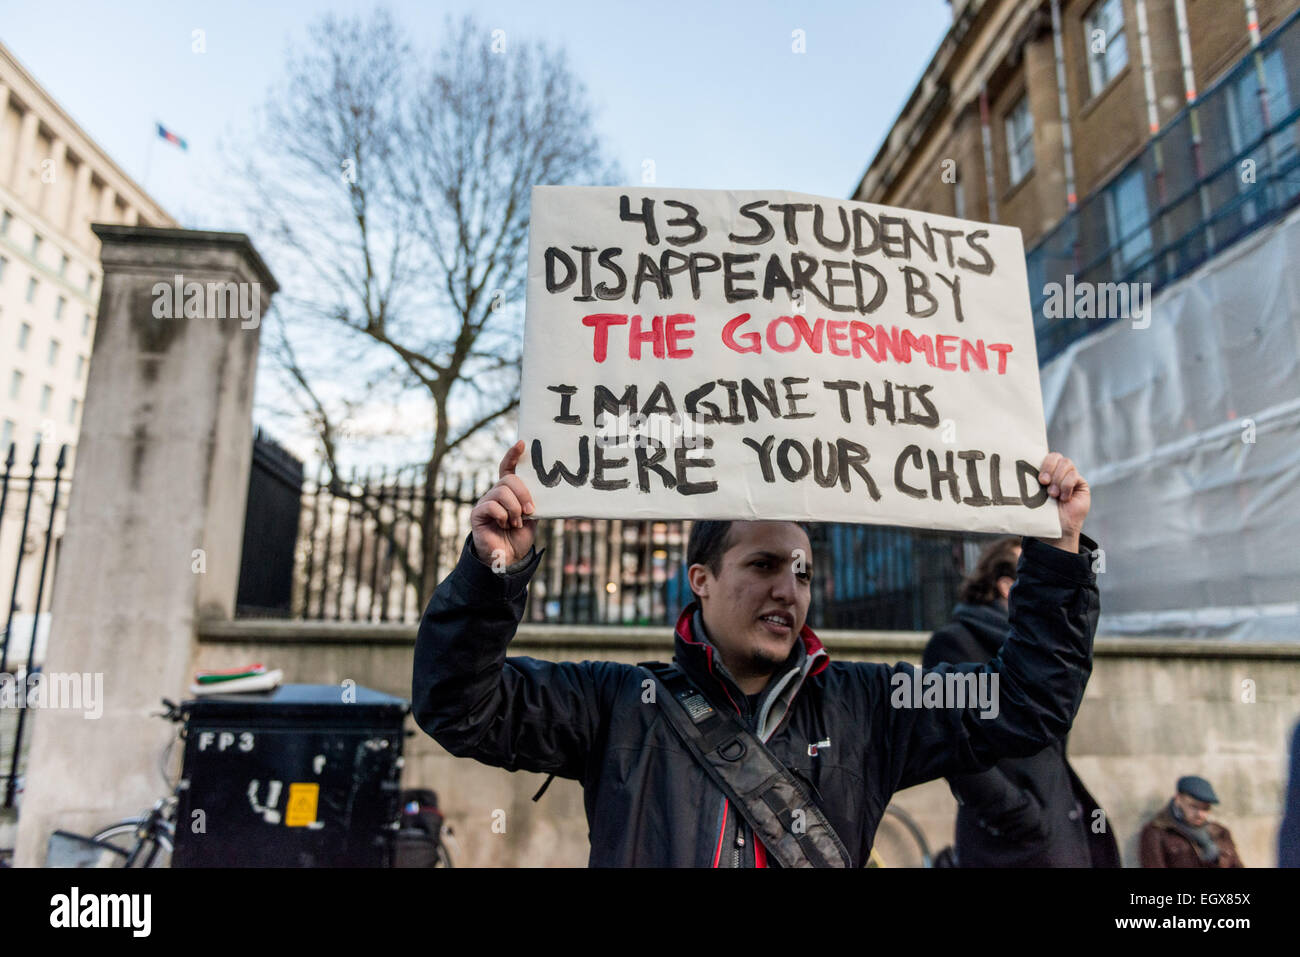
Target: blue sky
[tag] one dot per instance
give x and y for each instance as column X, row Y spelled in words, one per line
column 711, row 92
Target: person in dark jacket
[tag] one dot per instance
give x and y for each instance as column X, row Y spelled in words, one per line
column 854, row 732
column 1288, row 835
column 1022, row 812
column 1182, row 834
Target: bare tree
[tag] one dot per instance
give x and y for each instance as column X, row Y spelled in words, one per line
column 394, row 197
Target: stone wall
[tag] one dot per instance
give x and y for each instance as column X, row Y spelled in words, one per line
column 1153, row 712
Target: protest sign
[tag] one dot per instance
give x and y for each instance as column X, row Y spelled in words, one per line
column 772, row 355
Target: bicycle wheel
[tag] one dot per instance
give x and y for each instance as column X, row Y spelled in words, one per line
column 442, row 858
column 152, row 850
column 899, row 842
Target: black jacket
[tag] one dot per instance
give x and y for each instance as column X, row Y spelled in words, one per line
column 847, row 729
column 1026, row 811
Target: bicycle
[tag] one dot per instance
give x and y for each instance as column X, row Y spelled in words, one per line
column 147, row 841
column 144, row 841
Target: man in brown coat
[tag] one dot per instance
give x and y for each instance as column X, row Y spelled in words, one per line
column 1182, row 835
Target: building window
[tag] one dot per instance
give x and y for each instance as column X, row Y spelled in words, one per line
column 63, row 266
column 1103, row 32
column 1245, row 112
column 54, row 352
column 72, row 412
column 3, row 262
column 81, row 367
column 1246, row 128
column 59, row 306
column 90, row 282
column 1020, row 140
column 5, row 221
column 31, row 289
column 1127, row 218
column 959, row 198
column 7, row 436
column 85, row 325
column 47, row 394
column 24, row 333
column 16, row 385
column 36, row 246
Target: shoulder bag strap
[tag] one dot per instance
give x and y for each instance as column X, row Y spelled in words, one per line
column 776, row 804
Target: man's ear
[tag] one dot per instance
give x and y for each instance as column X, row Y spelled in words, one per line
column 1004, row 586
column 699, row 576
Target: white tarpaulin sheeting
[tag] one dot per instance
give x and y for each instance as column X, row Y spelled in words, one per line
column 1189, row 432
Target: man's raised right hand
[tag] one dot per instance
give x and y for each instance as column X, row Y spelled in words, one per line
column 503, row 534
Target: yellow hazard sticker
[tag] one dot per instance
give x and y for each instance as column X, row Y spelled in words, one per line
column 301, row 809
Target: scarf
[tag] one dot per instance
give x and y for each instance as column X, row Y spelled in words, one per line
column 1206, row 849
column 759, row 704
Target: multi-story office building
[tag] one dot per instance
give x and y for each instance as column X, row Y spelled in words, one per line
column 1029, row 106
column 54, row 182
column 1149, row 152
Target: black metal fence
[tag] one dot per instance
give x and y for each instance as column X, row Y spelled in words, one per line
column 271, row 524
column 1226, row 165
column 360, row 557
column 32, row 504
column 360, row 551
column 598, row 571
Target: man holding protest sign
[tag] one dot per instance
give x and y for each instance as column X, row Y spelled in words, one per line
column 753, row 748
column 853, row 733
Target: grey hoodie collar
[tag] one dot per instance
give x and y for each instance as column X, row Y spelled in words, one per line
column 777, row 697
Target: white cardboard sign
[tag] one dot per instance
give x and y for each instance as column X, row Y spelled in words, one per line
column 772, row 355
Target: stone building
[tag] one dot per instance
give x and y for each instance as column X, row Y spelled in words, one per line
column 1151, row 145
column 1149, row 152
column 1012, row 77
column 54, row 182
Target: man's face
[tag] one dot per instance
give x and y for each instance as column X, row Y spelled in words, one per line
column 1196, row 812
column 766, row 574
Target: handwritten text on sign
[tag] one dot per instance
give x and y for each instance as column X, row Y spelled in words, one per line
column 742, row 354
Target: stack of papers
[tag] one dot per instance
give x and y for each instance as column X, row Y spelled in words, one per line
column 236, row 680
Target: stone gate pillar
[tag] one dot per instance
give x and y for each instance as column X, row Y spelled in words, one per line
column 155, row 520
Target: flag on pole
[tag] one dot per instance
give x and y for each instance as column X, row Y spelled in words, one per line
column 171, row 137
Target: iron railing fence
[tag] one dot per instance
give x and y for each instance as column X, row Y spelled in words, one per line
column 32, row 507
column 361, row 557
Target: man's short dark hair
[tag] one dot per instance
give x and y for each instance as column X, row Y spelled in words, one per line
column 997, row 560
column 709, row 541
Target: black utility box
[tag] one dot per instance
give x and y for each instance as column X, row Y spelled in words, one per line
column 302, row 776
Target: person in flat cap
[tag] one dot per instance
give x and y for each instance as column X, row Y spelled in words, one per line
column 1182, row 834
